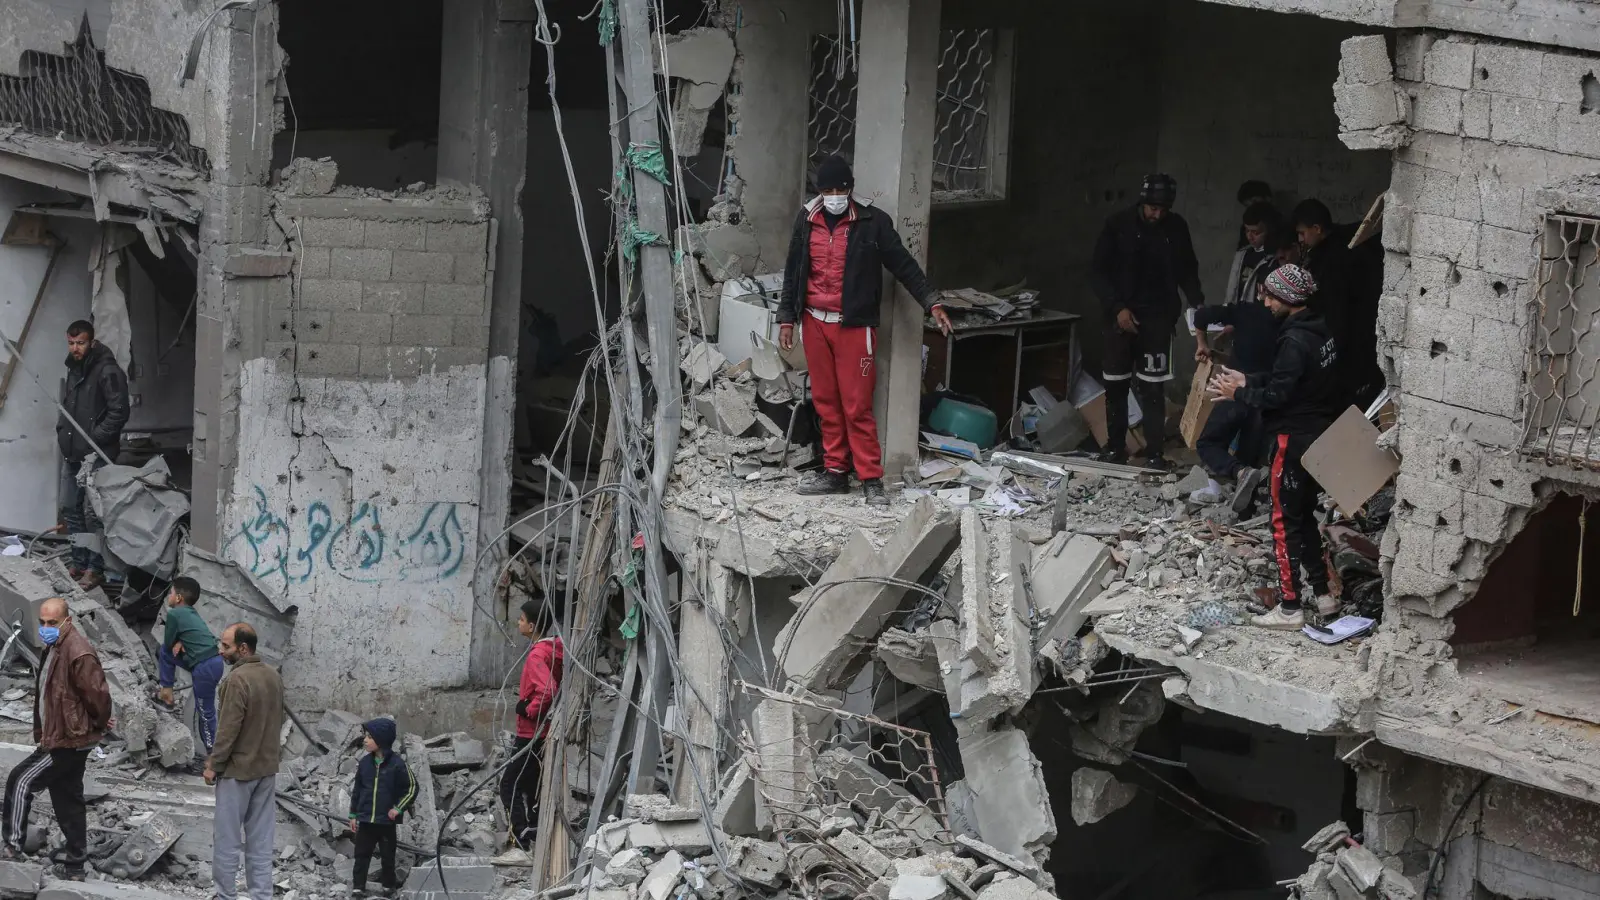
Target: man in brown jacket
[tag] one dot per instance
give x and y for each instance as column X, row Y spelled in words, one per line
column 71, row 711
column 244, row 767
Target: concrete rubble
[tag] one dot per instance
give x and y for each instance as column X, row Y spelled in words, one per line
column 1346, row 870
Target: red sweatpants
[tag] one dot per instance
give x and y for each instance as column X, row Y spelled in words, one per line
column 842, row 379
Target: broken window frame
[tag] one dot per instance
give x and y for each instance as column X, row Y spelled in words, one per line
column 1560, row 423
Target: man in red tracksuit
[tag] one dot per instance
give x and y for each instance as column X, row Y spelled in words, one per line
column 536, row 698
column 832, row 277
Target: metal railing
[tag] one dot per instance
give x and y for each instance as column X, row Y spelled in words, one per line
column 1563, row 408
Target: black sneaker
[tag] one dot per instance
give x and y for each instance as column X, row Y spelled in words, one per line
column 872, row 489
column 824, row 482
column 1247, row 480
column 1157, row 462
column 1117, row 457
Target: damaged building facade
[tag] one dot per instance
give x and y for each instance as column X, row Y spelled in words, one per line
column 962, row 696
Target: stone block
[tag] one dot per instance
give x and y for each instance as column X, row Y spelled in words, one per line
column 1027, row 867
column 1010, row 804
column 391, row 362
column 911, row 658
column 1362, row 107
column 256, row 262
column 454, row 300
column 1484, row 519
column 1364, row 59
column 1498, row 344
column 1504, row 69
column 1475, row 107
column 1389, row 833
column 1445, row 238
column 727, row 409
column 758, row 862
column 469, row 331
column 55, row 889
column 1561, row 77
column 327, row 294
column 1097, row 794
column 466, row 877
column 1449, row 63
column 787, row 764
column 1504, row 252
column 859, row 851
column 421, row 331
column 1438, row 331
column 725, row 251
column 662, row 877
column 1342, row 887
column 1504, row 477
column 824, row 644
column 391, row 297
column 470, row 268
column 1486, row 389
column 360, row 328
column 456, row 750
column 735, row 813
column 919, row 887
column 312, row 262
column 458, row 237
column 1361, row 866
column 439, row 359
column 310, row 177
column 1523, row 121
column 393, row 235
column 329, row 232
column 328, row 359
column 1436, row 108
column 423, row 266
column 360, row 263
column 20, row 879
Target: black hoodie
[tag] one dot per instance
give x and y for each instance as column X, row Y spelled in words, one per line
column 1303, row 393
column 383, row 780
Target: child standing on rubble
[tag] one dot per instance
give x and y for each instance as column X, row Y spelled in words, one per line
column 188, row 642
column 383, row 790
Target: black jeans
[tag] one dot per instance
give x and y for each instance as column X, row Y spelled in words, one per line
column 1152, row 402
column 382, row 838
column 519, row 791
column 1296, row 539
column 61, row 771
column 1229, row 419
column 77, row 513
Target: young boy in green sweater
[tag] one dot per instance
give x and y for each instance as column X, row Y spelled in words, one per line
column 188, row 642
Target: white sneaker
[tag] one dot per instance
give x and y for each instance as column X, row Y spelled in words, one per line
column 516, row 856
column 1280, row 619
column 1326, row 604
column 1245, row 491
column 1208, row 495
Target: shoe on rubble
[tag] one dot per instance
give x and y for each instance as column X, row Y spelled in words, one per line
column 1327, row 605
column 1280, row 619
column 1247, row 480
column 516, row 856
column 1116, row 457
column 872, row 489
column 1208, row 495
column 824, row 482
column 1158, row 462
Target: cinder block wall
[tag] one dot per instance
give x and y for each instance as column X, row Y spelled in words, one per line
column 383, row 288
column 1498, row 130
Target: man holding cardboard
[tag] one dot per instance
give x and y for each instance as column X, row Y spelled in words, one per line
column 1298, row 399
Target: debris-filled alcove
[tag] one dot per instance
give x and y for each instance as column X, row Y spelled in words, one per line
column 1530, row 634
column 363, row 88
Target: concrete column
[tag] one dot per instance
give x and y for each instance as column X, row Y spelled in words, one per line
column 894, row 166
column 706, row 673
column 230, row 316
column 487, row 49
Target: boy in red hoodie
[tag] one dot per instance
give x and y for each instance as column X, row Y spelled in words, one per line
column 536, row 699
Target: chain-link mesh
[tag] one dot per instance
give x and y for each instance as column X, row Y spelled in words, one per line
column 78, row 97
column 831, row 127
column 864, row 781
column 961, row 123
column 1564, row 395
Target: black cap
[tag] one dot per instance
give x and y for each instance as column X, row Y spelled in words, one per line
column 1159, row 190
column 835, row 174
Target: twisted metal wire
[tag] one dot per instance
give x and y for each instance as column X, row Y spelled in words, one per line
column 1563, row 406
column 78, row 97
column 831, row 127
column 961, row 120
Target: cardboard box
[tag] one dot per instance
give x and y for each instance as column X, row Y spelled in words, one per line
column 1198, row 407
column 1347, row 461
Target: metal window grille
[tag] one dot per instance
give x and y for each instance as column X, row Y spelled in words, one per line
column 1563, row 408
column 832, row 125
column 963, row 149
column 961, row 123
column 78, row 97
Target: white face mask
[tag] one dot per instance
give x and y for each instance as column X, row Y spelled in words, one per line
column 835, row 204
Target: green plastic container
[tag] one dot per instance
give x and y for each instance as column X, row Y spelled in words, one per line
column 966, row 421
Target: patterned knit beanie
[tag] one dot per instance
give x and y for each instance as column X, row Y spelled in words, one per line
column 1291, row 284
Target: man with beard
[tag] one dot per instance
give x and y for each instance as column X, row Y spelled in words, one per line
column 95, row 395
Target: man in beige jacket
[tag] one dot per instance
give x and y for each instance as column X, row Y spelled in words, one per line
column 244, row 766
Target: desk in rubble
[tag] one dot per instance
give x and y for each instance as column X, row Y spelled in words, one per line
column 993, row 360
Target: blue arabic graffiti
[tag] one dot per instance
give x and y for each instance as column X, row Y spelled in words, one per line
column 358, row 549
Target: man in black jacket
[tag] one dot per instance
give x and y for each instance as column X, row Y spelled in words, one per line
column 1143, row 259
column 95, row 395
column 1298, row 399
column 840, row 247
column 1349, row 282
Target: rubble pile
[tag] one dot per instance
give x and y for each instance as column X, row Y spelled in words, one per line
column 1345, row 870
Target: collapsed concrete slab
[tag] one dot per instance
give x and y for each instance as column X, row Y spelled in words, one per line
column 467, row 877
column 977, row 629
column 827, row 642
column 1118, row 721
column 703, row 59
column 911, row 657
column 1010, row 804
column 229, row 594
column 55, row 889
column 786, row 765
column 454, row 751
column 20, row 879
column 1067, row 574
column 1097, row 794
column 148, row 843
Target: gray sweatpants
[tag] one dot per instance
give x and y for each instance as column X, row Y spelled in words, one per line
column 246, row 816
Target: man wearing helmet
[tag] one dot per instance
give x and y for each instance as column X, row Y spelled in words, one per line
column 1143, row 259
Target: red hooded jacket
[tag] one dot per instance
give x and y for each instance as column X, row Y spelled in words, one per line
column 541, row 681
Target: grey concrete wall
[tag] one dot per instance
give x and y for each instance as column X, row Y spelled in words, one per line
column 28, row 455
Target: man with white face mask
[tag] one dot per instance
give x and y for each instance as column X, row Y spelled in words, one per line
column 833, row 286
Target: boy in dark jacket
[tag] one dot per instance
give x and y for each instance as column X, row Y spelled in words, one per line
column 383, row 790
column 833, row 286
column 1298, row 399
